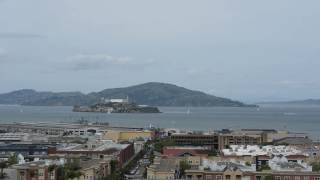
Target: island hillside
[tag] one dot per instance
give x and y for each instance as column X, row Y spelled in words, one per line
column 152, row 94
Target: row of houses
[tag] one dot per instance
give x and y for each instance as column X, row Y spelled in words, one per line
column 237, row 162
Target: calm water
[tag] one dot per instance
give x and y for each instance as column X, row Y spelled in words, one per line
column 294, row 118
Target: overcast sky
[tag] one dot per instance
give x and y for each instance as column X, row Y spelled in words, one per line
column 247, row 50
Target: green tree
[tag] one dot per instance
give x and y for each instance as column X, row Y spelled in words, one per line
column 264, row 168
column 52, row 167
column 13, row 159
column 60, row 172
column 267, row 177
column 161, row 143
column 3, row 165
column 113, row 166
column 315, row 166
column 72, row 169
column 184, row 165
column 213, row 152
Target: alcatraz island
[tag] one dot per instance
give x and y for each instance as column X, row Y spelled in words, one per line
column 116, row 106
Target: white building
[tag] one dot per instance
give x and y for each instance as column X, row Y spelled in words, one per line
column 254, row 150
column 282, row 164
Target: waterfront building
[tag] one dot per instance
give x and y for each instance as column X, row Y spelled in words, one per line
column 128, row 135
column 61, row 129
column 226, row 139
column 196, row 139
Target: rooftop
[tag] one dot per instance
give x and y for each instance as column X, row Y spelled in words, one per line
column 164, row 165
column 254, row 150
column 100, row 146
column 36, row 164
column 212, row 165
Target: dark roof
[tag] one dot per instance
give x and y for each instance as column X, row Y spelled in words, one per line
column 294, row 141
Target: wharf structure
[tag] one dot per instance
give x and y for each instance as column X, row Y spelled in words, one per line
column 47, row 128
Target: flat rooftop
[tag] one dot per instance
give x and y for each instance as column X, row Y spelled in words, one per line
column 96, row 147
column 44, row 125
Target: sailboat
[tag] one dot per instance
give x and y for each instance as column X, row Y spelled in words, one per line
column 188, row 111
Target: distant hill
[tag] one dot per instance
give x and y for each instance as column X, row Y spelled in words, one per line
column 153, row 94
column 32, row 97
column 297, row 102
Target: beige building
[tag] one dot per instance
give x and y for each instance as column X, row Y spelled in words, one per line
column 119, row 135
column 93, row 170
column 38, row 170
column 163, row 169
column 239, row 138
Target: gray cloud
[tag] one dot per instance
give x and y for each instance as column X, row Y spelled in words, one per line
column 2, row 52
column 100, row 61
column 240, row 50
column 295, row 83
column 18, row 35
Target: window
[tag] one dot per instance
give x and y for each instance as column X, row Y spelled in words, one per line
column 218, row 178
column 277, row 178
column 228, row 177
column 297, row 178
column 286, row 178
column 208, row 177
column 317, row 178
column 238, row 177
column 306, row 178
column 189, row 176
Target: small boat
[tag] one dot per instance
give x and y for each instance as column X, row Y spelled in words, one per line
column 289, row 114
column 188, row 111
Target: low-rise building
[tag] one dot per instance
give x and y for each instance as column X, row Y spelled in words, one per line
column 212, row 170
column 37, row 170
column 12, row 137
column 236, row 170
column 163, row 168
column 296, row 141
column 281, row 163
column 26, row 149
column 99, row 150
column 228, row 138
column 92, row 169
column 180, row 151
column 196, row 139
column 128, row 135
column 255, row 150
